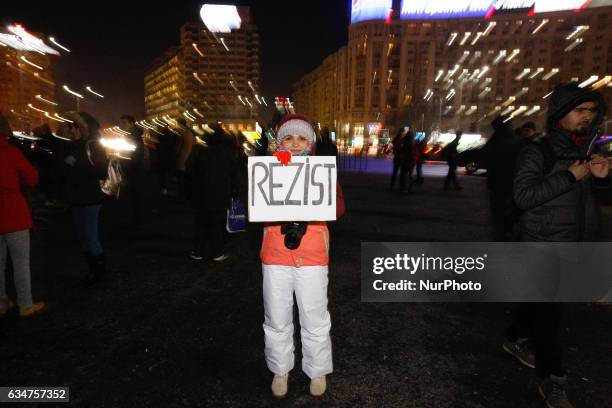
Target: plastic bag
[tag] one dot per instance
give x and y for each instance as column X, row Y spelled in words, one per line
column 114, row 179
column 236, row 217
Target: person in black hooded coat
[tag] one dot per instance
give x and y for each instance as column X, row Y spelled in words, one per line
column 559, row 204
column 212, row 182
column 500, row 154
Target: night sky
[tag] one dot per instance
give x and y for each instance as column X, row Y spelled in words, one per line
column 113, row 43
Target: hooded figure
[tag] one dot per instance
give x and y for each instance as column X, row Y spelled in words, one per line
column 556, row 206
column 559, row 202
column 303, row 270
column 500, row 154
column 211, row 182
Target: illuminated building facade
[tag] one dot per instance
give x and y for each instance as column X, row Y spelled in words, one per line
column 21, row 82
column 438, row 69
column 210, row 76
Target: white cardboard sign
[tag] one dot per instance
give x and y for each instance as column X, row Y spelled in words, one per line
column 302, row 190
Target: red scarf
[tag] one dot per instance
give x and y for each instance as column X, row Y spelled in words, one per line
column 577, row 140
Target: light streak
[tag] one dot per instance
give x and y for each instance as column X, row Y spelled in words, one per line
column 117, row 144
column 573, row 45
column 58, row 44
column 40, row 98
column 62, row 118
column 552, row 73
column 78, row 95
column 536, row 73
column 514, row 53
column 94, row 92
column 466, row 35
column 539, row 27
column 36, row 109
column 195, row 47
column 24, row 59
column 55, row 119
column 588, row 81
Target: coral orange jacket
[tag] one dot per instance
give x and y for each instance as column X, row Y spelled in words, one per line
column 313, row 249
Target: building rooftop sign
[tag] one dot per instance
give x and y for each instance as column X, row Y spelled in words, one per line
column 219, row 18
column 22, row 40
column 438, row 9
column 364, row 10
column 433, row 9
column 543, row 6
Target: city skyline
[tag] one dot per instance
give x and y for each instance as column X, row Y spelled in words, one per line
column 290, row 46
column 446, row 73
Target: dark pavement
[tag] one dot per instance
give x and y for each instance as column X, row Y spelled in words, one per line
column 166, row 331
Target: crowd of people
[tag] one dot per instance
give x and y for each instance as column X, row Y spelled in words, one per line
column 542, row 188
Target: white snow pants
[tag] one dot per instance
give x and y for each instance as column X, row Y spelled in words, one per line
column 310, row 286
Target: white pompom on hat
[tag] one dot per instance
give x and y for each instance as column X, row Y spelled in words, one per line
column 295, row 125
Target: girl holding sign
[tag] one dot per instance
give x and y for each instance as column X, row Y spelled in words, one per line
column 295, row 259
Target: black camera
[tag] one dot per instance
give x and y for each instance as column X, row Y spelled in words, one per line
column 293, row 232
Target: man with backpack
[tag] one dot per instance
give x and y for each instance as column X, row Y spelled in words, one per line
column 558, row 198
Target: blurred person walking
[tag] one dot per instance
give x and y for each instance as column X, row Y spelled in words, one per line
column 419, row 157
column 527, row 133
column 134, row 168
column 398, row 153
column 326, row 146
column 184, row 146
column 166, row 158
column 212, row 182
column 408, row 158
column 44, row 161
column 85, row 165
column 15, row 224
column 450, row 154
column 500, row 155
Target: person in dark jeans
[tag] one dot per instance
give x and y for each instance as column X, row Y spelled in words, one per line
column 211, row 180
column 84, row 165
column 559, row 204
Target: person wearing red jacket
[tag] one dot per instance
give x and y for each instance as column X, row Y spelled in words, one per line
column 303, row 271
column 15, row 223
